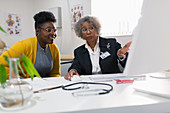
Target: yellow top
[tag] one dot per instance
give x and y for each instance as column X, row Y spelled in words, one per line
column 29, row 48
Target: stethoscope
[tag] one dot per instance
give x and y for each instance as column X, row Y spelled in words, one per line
column 84, row 93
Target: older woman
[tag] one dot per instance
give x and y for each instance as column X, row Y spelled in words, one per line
column 98, row 55
column 40, row 49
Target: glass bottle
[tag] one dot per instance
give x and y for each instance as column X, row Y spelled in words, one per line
column 17, row 92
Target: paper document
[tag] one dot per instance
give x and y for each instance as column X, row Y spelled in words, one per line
column 41, row 83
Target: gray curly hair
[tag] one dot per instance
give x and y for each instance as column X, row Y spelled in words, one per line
column 91, row 19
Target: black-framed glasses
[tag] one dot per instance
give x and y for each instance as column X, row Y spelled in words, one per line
column 91, row 29
column 49, row 30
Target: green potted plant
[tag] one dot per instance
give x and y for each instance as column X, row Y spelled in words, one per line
column 14, row 92
column 26, row 63
column 2, row 29
column 2, row 44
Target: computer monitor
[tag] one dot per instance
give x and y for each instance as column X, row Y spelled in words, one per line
column 150, row 48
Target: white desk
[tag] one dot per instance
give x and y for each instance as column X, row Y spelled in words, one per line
column 122, row 99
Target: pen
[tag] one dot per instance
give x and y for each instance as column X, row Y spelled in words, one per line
column 47, row 89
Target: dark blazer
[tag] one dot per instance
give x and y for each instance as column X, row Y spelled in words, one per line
column 82, row 62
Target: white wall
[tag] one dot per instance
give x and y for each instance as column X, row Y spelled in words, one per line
column 24, row 8
column 66, row 40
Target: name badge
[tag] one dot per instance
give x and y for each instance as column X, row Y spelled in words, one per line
column 104, row 55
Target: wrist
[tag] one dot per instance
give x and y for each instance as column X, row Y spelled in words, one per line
column 73, row 70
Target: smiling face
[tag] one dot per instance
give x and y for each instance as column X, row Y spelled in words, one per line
column 89, row 33
column 46, row 34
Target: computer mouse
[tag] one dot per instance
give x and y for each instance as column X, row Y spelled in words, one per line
column 75, row 78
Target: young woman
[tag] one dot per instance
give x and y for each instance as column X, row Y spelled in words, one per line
column 40, row 49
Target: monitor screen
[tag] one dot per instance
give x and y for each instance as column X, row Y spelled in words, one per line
column 150, row 48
